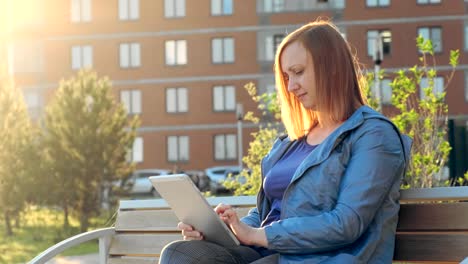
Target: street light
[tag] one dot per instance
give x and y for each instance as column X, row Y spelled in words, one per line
column 377, row 56
column 240, row 117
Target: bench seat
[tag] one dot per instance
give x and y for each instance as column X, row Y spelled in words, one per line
column 432, row 227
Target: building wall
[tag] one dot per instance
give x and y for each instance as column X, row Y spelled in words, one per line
column 50, row 34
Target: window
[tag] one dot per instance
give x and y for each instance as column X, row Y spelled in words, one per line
column 174, row 8
column 25, row 57
column 466, row 37
column 466, row 86
column 136, row 152
column 224, row 98
column 80, row 11
column 271, row 44
column 377, row 3
column 176, row 100
column 434, row 34
column 129, row 9
column 222, row 50
column 225, row 147
column 221, row 7
column 178, row 148
column 386, row 38
column 131, row 99
column 428, row 2
column 386, row 91
column 82, row 57
column 31, row 98
column 130, row 55
column 437, row 89
column 176, row 52
column 273, row 6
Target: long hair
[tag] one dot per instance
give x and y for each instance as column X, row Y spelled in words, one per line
column 337, row 73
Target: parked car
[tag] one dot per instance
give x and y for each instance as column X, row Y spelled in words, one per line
column 219, row 174
column 139, row 184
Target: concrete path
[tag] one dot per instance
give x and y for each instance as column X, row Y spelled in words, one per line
column 84, row 259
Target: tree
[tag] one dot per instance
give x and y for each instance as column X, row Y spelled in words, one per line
column 15, row 142
column 424, row 118
column 262, row 141
column 87, row 135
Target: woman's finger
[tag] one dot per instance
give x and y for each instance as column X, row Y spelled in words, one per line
column 184, row 226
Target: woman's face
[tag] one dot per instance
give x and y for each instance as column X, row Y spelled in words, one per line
column 298, row 72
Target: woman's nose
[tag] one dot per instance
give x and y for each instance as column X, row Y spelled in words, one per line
column 292, row 85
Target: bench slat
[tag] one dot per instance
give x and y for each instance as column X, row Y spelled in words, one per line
column 459, row 193
column 153, row 220
column 149, row 245
column 433, row 216
column 248, row 201
column 133, row 260
column 146, row 220
column 431, row 247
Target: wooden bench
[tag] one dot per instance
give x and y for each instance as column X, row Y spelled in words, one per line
column 433, row 226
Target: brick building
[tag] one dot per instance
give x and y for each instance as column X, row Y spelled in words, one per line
column 182, row 64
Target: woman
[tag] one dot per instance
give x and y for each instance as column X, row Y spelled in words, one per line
column 331, row 186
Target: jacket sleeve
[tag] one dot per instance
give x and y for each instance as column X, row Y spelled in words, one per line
column 252, row 218
column 375, row 166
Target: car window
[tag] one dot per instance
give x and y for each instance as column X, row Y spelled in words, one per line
column 147, row 174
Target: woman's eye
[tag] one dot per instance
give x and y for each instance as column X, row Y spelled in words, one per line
column 298, row 72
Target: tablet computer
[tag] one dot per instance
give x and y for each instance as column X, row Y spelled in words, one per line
column 192, row 208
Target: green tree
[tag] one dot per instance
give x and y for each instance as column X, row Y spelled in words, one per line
column 423, row 118
column 87, row 135
column 262, row 141
column 15, row 142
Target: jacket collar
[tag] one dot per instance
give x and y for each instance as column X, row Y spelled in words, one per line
column 322, row 152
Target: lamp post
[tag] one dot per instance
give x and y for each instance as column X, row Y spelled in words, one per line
column 377, row 56
column 239, row 116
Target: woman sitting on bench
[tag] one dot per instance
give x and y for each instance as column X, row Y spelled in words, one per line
column 330, row 188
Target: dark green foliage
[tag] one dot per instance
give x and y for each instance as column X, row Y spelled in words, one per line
column 86, row 137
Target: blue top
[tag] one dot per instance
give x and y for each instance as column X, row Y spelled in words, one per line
column 278, row 178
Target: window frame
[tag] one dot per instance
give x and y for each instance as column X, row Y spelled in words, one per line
column 428, row 2
column 435, row 89
column 132, row 155
column 132, row 53
column 178, row 109
column 175, row 8
column 379, row 32
column 224, row 51
column 222, row 4
column 176, row 47
column 430, row 31
column 225, row 147
column 84, row 12
column 129, row 15
column 178, row 146
column 225, row 98
column 82, row 56
column 378, row 4
column 133, row 94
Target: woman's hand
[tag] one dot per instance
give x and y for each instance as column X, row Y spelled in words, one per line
column 247, row 235
column 189, row 233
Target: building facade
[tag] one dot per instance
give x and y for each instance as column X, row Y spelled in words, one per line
column 181, row 65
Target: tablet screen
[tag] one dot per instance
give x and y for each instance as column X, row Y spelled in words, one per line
column 192, row 208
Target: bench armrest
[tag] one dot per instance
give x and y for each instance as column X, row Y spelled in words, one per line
column 102, row 234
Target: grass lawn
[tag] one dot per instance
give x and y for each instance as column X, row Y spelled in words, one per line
column 41, row 228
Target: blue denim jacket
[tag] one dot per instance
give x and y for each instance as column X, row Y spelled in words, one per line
column 341, row 205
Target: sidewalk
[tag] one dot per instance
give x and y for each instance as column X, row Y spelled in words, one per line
column 84, row 259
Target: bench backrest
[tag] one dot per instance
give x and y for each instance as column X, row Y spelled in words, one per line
column 426, row 231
